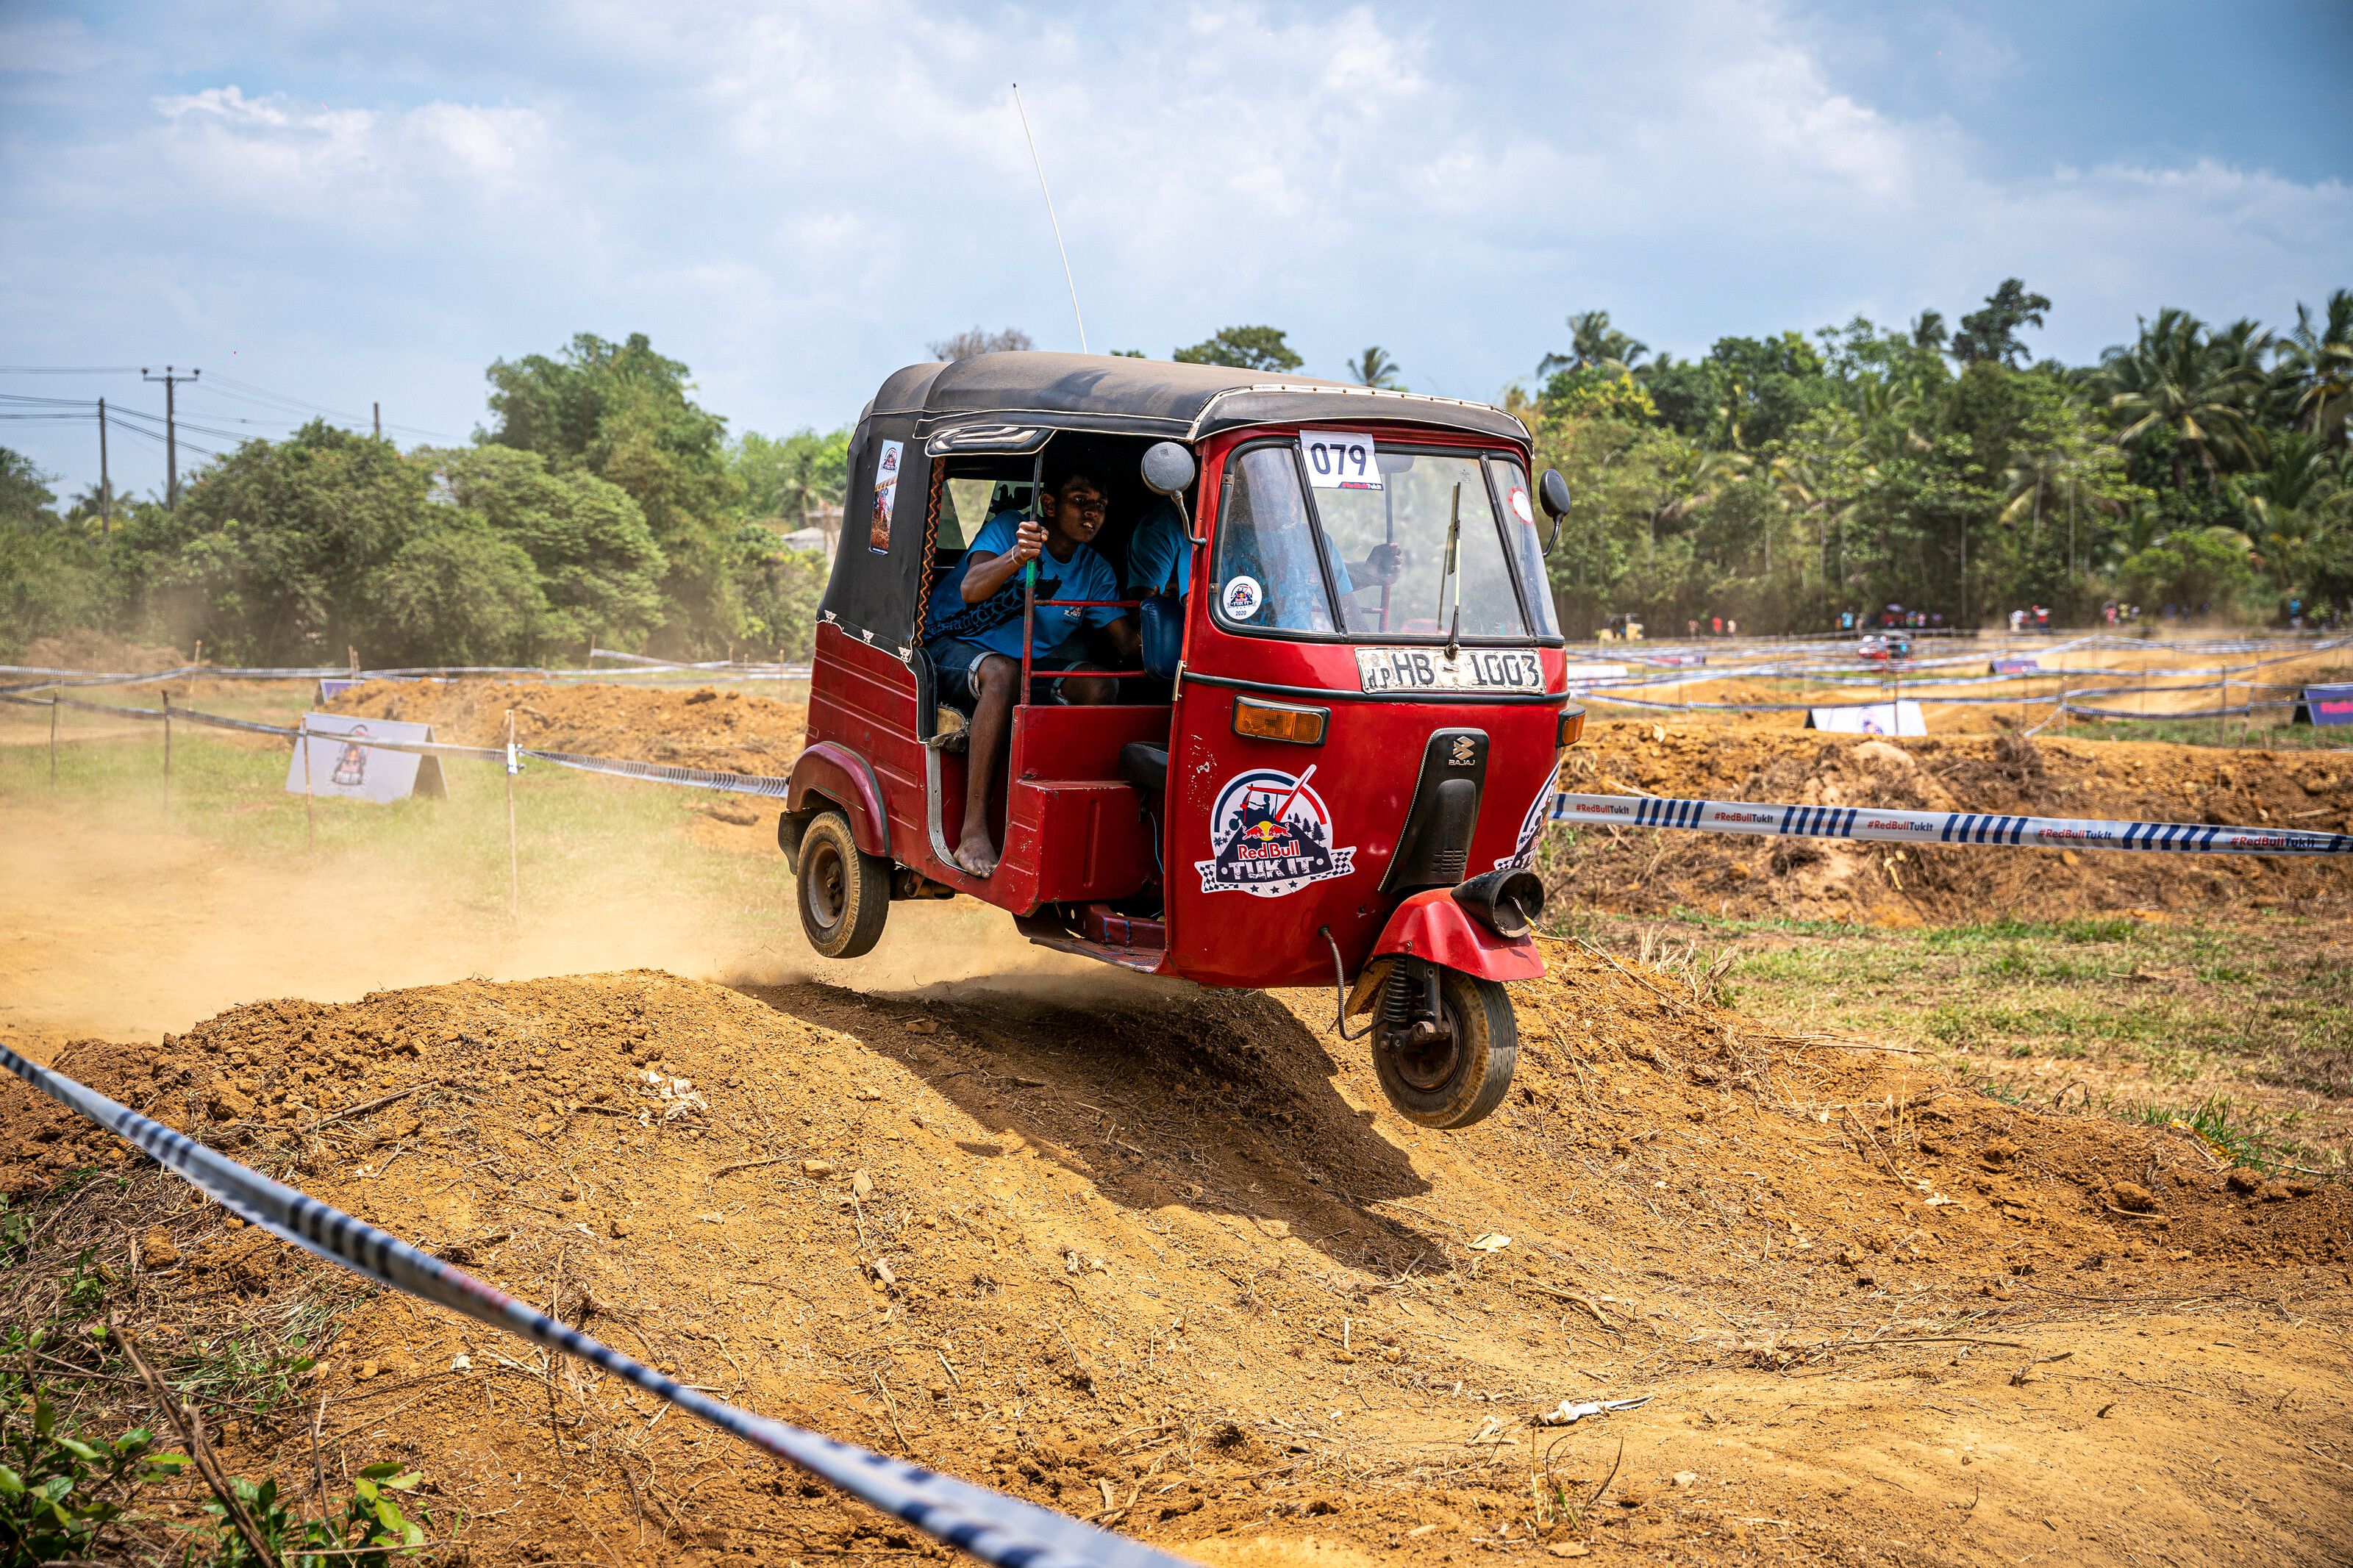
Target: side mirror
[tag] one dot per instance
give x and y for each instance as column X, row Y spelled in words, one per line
column 1552, row 493
column 1168, row 468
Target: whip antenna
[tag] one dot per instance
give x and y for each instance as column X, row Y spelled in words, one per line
column 1050, row 218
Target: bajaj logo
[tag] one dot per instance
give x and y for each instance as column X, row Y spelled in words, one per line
column 1466, row 751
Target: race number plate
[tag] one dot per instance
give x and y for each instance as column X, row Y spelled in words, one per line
column 1428, row 669
column 1337, row 462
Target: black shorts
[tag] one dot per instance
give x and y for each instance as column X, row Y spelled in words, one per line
column 954, row 661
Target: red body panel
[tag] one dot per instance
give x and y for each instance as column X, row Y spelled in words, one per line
column 1365, row 776
column 1073, row 831
column 839, row 774
column 1432, row 926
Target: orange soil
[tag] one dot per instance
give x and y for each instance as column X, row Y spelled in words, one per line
column 725, row 732
column 1647, row 872
column 1162, row 1255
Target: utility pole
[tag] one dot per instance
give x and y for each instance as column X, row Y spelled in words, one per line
column 171, row 433
column 105, row 483
column 377, row 410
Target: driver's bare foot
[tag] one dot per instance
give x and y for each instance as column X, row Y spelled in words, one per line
column 976, row 859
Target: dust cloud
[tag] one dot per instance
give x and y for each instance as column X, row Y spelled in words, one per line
column 129, row 933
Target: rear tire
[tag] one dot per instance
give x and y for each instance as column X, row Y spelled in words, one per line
column 1460, row 1082
column 844, row 892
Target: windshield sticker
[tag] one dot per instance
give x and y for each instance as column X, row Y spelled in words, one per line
column 1520, row 508
column 1242, row 598
column 1522, row 856
column 1340, row 462
column 1271, row 835
column 886, row 497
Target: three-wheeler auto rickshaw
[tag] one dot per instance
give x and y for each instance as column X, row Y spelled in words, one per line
column 1343, row 777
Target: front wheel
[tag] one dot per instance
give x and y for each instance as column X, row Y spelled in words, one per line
column 845, row 893
column 1451, row 1068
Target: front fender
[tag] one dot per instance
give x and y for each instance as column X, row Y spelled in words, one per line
column 1431, row 925
column 838, row 776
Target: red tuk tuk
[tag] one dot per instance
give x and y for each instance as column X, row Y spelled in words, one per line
column 1343, row 779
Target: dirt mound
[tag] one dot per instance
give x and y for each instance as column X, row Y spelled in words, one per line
column 1646, row 872
column 727, row 732
column 84, row 650
column 1160, row 1256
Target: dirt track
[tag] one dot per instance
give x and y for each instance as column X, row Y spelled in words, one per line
column 727, row 732
column 1654, row 873
column 1163, row 1255
column 1160, row 1253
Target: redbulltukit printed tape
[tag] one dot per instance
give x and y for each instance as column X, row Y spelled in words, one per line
column 990, row 1525
column 1891, row 827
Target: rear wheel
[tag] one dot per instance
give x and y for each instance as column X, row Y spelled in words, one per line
column 1453, row 1068
column 845, row 893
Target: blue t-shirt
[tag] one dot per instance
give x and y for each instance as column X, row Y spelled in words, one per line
column 1157, row 546
column 996, row 622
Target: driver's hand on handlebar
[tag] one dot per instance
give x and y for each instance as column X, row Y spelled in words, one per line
column 1385, row 564
column 1028, row 542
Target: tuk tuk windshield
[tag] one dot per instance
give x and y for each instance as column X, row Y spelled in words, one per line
column 1384, row 548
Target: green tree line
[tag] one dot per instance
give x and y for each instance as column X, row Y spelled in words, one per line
column 1780, row 481
column 1783, row 481
column 602, row 507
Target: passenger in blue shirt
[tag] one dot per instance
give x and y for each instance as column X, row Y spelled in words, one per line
column 1159, row 555
column 974, row 640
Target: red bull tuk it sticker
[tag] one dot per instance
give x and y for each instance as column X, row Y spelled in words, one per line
column 1270, row 835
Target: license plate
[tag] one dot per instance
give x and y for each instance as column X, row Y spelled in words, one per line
column 1428, row 669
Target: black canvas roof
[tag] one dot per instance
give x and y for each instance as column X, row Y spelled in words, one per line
column 1013, row 402
column 1154, row 398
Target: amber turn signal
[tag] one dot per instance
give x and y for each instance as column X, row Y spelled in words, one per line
column 1572, row 727
column 1280, row 721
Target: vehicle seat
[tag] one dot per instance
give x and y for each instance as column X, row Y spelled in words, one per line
column 1145, row 766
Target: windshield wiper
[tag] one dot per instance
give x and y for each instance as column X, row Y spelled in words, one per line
column 1451, row 572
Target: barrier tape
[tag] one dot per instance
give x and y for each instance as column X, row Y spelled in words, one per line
column 989, row 1524
column 1892, row 826
column 1641, row 811
column 660, row 773
column 638, row 665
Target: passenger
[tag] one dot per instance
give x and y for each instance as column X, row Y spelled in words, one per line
column 1160, row 573
column 1159, row 554
column 975, row 641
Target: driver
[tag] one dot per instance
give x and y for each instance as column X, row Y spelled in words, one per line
column 975, row 641
column 1160, row 560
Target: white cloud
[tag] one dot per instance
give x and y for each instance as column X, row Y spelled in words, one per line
column 794, row 197
column 349, row 165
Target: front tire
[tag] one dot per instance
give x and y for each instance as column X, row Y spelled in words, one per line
column 1459, row 1080
column 844, row 892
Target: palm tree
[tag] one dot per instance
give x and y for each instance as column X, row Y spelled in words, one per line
column 1594, row 344
column 1695, row 476
column 2299, row 493
column 1801, row 481
column 2040, row 480
column 2176, row 378
column 1373, row 368
column 2321, row 363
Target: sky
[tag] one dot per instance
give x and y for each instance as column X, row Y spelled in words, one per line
column 328, row 206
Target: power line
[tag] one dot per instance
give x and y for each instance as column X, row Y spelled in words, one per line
column 171, row 435
column 245, row 391
column 235, row 387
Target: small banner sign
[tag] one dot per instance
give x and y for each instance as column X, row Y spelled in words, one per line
column 340, row 763
column 2018, row 665
column 1900, row 717
column 2325, row 705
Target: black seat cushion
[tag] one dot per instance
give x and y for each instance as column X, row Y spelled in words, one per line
column 1145, row 766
